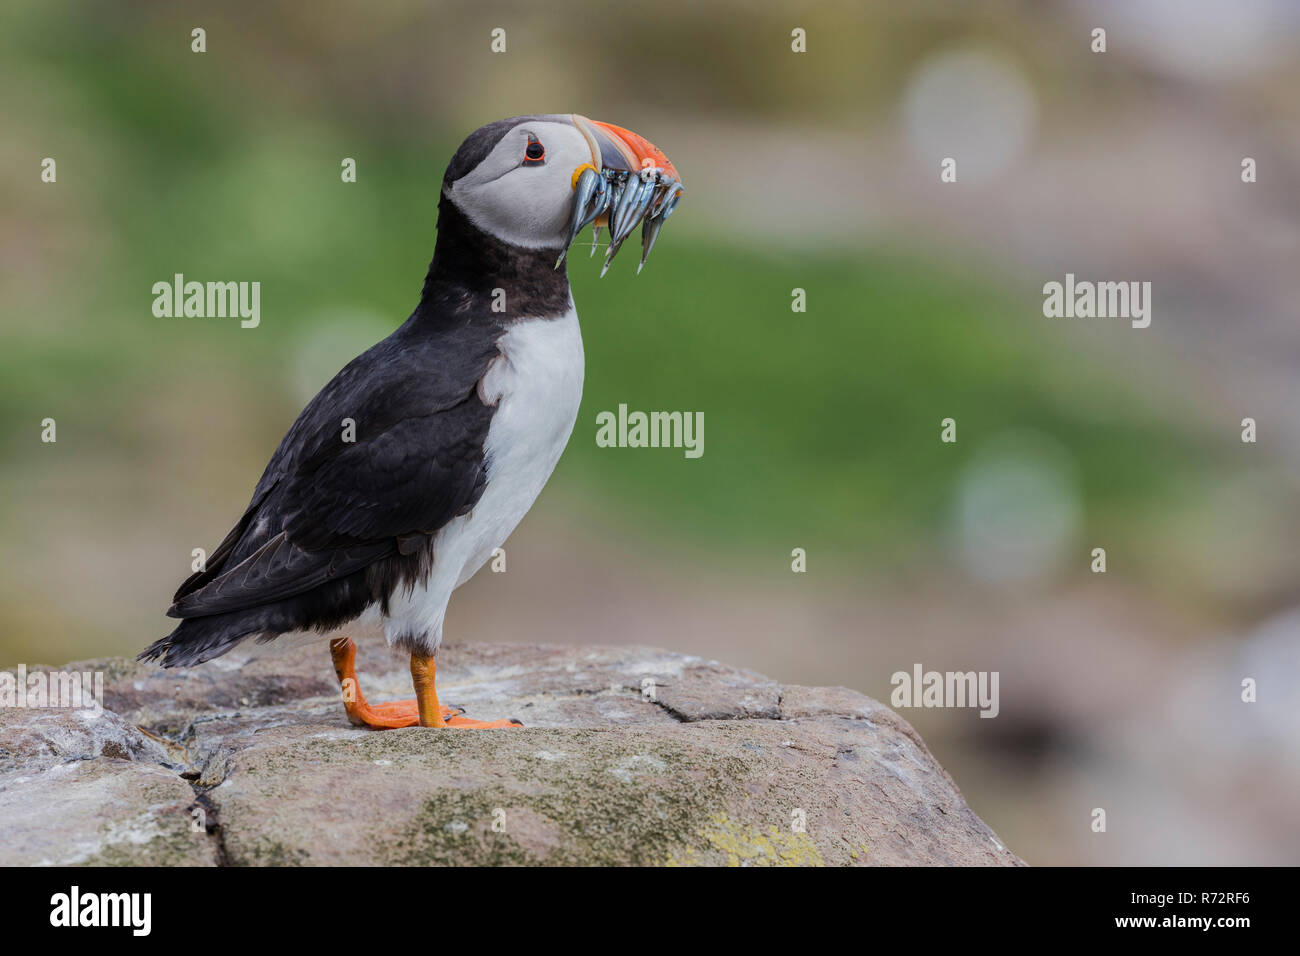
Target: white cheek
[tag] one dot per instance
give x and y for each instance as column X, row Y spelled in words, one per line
column 528, row 206
column 522, row 206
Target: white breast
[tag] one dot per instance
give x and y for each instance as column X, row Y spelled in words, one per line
column 536, row 386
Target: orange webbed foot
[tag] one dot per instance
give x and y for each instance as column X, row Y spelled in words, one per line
column 424, row 710
column 388, row 715
column 392, row 714
column 482, row 724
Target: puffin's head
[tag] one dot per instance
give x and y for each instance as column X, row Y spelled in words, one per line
column 536, row 181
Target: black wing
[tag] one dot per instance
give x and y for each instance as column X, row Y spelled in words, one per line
column 325, row 507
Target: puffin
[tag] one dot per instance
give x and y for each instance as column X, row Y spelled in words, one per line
column 400, row 479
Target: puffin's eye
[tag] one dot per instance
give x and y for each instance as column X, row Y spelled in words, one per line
column 535, row 154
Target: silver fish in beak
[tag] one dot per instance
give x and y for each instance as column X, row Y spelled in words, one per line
column 628, row 181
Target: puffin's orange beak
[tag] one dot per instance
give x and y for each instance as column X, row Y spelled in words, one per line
column 635, row 149
column 628, row 180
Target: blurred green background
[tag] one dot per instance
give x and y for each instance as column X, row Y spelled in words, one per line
column 816, row 171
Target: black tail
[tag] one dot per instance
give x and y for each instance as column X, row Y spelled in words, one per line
column 199, row 639
column 323, row 608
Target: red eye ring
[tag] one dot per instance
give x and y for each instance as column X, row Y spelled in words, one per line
column 535, row 152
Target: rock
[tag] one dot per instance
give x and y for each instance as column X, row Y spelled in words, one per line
column 34, row 740
column 630, row 756
column 102, row 812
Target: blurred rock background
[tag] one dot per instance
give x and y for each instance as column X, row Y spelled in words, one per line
column 817, row 171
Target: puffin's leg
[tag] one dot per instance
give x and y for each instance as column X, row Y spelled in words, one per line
column 386, row 716
column 424, row 672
